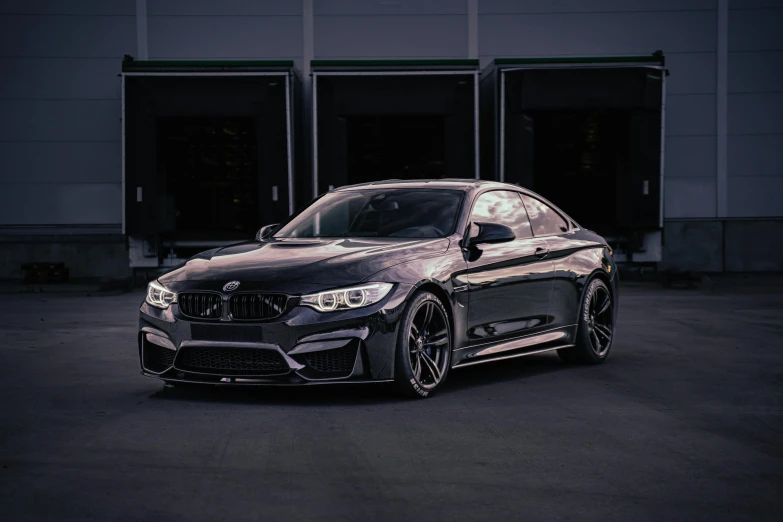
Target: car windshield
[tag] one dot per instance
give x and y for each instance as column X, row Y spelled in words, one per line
column 378, row 213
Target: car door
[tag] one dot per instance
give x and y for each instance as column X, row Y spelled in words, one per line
column 565, row 252
column 510, row 283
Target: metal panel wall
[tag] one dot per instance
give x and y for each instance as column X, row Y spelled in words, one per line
column 60, row 100
column 59, row 94
column 355, row 29
column 205, row 31
column 686, row 30
column 269, row 8
column 594, row 34
column 591, row 6
column 755, row 109
column 690, row 162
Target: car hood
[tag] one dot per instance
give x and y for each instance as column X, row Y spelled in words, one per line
column 297, row 265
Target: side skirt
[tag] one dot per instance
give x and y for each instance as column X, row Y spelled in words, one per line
column 510, row 356
column 519, row 347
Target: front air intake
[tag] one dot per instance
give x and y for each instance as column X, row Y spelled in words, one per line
column 335, row 361
column 156, row 358
column 231, row 361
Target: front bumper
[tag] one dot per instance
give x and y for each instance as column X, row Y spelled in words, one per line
column 300, row 347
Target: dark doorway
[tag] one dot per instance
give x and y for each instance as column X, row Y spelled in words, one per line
column 590, row 141
column 206, row 158
column 371, row 128
column 210, row 170
column 579, row 155
column 395, row 147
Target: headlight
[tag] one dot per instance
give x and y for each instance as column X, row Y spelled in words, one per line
column 347, row 298
column 158, row 296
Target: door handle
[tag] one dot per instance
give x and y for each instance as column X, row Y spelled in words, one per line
column 541, row 252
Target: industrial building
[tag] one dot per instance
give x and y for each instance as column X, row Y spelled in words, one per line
column 135, row 133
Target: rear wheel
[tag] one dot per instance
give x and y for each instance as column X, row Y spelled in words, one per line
column 596, row 327
column 423, row 355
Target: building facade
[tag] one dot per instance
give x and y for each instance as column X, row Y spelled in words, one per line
column 63, row 195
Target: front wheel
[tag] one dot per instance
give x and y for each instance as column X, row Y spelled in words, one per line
column 423, row 355
column 596, row 327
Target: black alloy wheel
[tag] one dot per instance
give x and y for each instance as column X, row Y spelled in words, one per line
column 599, row 323
column 424, row 346
column 596, row 327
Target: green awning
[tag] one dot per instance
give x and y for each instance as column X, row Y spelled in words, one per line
column 656, row 58
column 130, row 65
column 395, row 65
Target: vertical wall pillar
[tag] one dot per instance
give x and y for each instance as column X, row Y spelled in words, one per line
column 142, row 52
column 473, row 44
column 308, row 108
column 473, row 53
column 722, row 109
column 307, row 37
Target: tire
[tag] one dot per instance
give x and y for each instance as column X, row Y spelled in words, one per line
column 423, row 354
column 595, row 332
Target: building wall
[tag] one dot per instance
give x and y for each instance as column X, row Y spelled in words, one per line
column 755, row 108
column 60, row 138
column 686, row 32
column 60, row 134
column 224, row 30
column 358, row 29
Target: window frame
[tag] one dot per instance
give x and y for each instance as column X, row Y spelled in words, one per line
column 360, row 189
column 571, row 224
column 469, row 219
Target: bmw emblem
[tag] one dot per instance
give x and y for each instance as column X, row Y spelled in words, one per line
column 231, row 286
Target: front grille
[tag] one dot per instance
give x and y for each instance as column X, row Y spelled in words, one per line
column 157, row 358
column 231, row 361
column 338, row 360
column 249, row 307
column 200, row 305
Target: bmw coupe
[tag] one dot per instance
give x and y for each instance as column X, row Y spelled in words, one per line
column 397, row 281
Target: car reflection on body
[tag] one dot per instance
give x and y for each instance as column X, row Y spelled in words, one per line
column 398, row 281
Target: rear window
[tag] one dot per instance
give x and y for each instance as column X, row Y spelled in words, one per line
column 545, row 220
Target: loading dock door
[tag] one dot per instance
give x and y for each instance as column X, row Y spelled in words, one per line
column 375, row 122
column 208, row 156
column 589, row 139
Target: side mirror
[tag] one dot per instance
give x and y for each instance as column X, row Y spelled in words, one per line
column 492, row 233
column 265, row 232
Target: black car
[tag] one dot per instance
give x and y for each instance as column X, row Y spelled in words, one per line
column 391, row 281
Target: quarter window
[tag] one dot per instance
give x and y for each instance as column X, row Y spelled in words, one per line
column 545, row 220
column 505, row 208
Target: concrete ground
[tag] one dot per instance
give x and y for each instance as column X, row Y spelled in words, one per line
column 684, row 422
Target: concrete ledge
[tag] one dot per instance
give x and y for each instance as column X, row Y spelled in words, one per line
column 99, row 259
column 692, row 246
column 89, row 286
column 722, row 245
column 754, row 246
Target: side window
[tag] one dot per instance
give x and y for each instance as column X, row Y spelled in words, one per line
column 545, row 219
column 503, row 207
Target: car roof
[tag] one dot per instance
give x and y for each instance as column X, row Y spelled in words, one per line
column 452, row 183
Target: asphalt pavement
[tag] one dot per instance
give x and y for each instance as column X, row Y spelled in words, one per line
column 683, row 422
